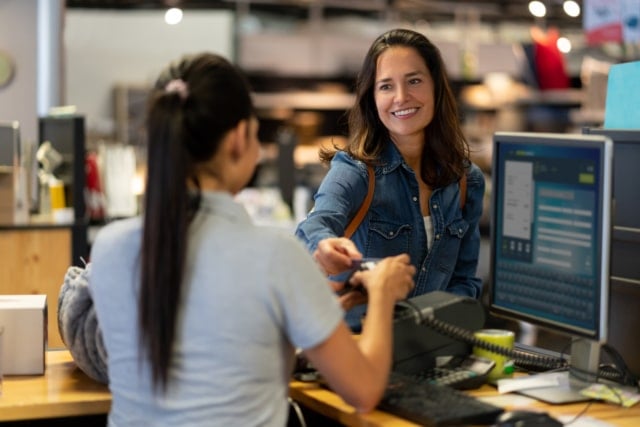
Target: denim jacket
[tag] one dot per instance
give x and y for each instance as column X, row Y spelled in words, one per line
column 394, row 223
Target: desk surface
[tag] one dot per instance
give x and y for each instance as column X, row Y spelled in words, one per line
column 63, row 391
column 329, row 404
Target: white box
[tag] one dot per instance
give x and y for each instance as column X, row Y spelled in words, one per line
column 24, row 320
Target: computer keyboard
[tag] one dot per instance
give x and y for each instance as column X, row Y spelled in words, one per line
column 434, row 405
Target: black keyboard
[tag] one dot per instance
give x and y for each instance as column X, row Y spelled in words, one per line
column 434, row 405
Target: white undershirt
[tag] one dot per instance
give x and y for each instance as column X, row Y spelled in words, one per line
column 428, row 226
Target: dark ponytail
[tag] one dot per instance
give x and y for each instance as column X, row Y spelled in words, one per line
column 194, row 103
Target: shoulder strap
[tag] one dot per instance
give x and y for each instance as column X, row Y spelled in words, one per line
column 463, row 190
column 355, row 222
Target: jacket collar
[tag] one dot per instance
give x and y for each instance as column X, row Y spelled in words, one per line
column 391, row 158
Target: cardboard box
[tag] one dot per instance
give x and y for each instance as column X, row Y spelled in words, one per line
column 24, row 339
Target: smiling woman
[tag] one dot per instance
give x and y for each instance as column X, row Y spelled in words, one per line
column 405, row 125
column 404, row 96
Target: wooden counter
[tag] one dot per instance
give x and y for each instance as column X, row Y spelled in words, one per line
column 34, row 259
column 63, row 391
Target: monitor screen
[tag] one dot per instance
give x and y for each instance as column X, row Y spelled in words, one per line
column 550, row 231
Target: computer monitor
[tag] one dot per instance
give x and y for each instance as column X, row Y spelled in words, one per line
column 550, row 239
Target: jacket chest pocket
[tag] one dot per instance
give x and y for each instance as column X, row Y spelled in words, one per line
column 450, row 244
column 387, row 239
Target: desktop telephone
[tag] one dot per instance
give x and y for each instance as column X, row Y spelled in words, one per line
column 438, row 323
column 439, row 326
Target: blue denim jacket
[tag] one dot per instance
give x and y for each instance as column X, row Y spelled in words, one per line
column 394, row 223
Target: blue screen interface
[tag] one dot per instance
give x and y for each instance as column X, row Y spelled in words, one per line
column 547, row 246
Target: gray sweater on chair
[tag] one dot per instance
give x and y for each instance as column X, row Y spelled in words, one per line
column 78, row 324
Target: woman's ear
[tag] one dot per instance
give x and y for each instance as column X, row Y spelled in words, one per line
column 239, row 139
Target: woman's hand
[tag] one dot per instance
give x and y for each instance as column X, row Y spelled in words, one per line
column 391, row 278
column 352, row 298
column 335, row 254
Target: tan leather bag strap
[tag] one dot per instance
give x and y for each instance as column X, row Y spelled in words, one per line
column 463, row 190
column 355, row 222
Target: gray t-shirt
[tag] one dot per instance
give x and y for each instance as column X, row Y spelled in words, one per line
column 251, row 294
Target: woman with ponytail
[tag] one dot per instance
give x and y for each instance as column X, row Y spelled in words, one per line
column 199, row 309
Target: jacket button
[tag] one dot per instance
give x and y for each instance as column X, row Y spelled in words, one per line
column 415, row 199
column 435, row 206
column 437, row 236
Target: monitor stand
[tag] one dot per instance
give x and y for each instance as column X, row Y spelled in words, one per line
column 584, row 363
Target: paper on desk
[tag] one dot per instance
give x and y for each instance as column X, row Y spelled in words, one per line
column 623, row 396
column 508, row 400
column 547, row 379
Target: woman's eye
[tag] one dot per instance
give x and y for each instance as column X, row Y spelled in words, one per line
column 384, row 87
column 415, row 81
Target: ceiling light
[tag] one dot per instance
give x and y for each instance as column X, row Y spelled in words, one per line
column 564, row 45
column 571, row 8
column 537, row 9
column 173, row 16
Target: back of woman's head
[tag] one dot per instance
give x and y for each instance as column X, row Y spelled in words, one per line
column 194, row 103
column 204, row 96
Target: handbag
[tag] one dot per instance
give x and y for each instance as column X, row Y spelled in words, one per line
column 357, row 219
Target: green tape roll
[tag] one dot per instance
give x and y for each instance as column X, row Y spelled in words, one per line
column 504, row 364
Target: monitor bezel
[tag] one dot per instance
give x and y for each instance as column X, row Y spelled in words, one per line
column 605, row 145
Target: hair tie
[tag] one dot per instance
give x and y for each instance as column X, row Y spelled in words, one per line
column 178, row 86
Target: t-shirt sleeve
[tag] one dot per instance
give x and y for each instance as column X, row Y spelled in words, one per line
column 310, row 310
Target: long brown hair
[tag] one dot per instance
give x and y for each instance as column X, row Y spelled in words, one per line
column 446, row 151
column 194, row 103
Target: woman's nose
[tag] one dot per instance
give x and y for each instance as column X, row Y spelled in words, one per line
column 401, row 94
